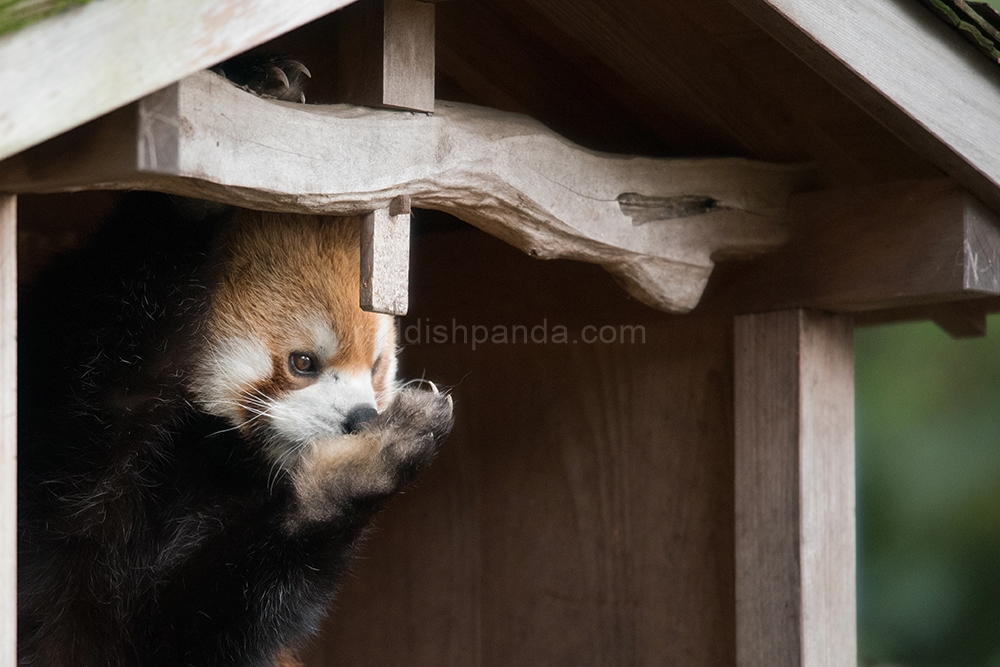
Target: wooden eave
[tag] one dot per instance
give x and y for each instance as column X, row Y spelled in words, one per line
column 687, row 78
column 87, row 61
column 909, row 70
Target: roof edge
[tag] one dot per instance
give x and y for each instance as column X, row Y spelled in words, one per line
column 907, row 69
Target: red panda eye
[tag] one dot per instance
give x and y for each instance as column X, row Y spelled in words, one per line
column 302, row 363
column 375, row 366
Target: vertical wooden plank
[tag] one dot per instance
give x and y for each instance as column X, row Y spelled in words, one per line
column 8, row 431
column 386, row 54
column 826, row 490
column 794, row 475
column 385, row 258
column 408, row 66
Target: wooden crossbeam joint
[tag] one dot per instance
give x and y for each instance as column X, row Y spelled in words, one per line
column 893, row 245
column 656, row 224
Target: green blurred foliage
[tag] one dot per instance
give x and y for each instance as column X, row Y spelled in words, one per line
column 928, row 446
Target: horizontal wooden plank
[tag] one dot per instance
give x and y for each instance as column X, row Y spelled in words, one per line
column 89, row 60
column 654, row 223
column 879, row 247
column 908, row 69
column 960, row 319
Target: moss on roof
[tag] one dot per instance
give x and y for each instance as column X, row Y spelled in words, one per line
column 978, row 22
column 15, row 14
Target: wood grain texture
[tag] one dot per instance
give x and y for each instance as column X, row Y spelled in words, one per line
column 871, row 248
column 644, row 44
column 87, row 61
column 794, row 476
column 944, row 102
column 580, row 512
column 543, row 59
column 385, row 259
column 386, row 54
column 507, row 174
column 8, row 431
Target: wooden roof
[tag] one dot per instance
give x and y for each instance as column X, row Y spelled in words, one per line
column 868, row 94
column 673, row 77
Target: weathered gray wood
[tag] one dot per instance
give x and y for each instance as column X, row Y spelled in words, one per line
column 885, row 246
column 505, row 173
column 944, row 102
column 83, row 63
column 8, row 431
column 386, row 54
column 794, row 476
column 385, row 258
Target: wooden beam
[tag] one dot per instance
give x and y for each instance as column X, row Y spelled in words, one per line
column 654, row 223
column 73, row 67
column 959, row 319
column 386, row 54
column 878, row 247
column 795, row 539
column 973, row 311
column 8, row 431
column 908, row 69
column 385, row 258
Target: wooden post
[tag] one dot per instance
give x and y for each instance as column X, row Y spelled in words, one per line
column 385, row 258
column 794, row 476
column 8, row 431
column 387, row 54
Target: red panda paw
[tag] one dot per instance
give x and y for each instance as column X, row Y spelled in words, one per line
column 267, row 75
column 386, row 452
column 412, row 429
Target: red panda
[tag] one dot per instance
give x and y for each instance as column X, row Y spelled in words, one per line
column 207, row 423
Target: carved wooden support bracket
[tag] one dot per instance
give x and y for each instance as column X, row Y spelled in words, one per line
column 656, row 224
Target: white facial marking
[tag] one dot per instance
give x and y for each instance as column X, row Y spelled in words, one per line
column 383, row 336
column 318, row 411
column 386, row 342
column 231, row 366
column 324, row 339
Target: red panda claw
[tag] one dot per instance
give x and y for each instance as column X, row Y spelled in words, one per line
column 433, row 387
column 299, row 67
column 280, row 75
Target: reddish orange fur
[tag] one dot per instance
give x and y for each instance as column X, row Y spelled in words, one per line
column 281, row 272
column 286, row 658
column 265, row 283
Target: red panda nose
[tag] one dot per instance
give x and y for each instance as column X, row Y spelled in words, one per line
column 358, row 416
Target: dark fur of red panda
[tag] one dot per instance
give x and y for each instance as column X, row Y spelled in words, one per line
column 207, row 424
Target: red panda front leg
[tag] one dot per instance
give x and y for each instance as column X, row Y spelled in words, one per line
column 334, row 475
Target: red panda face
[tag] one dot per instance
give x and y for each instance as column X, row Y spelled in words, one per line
column 289, row 357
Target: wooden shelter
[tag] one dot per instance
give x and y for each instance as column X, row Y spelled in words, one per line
column 670, row 481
